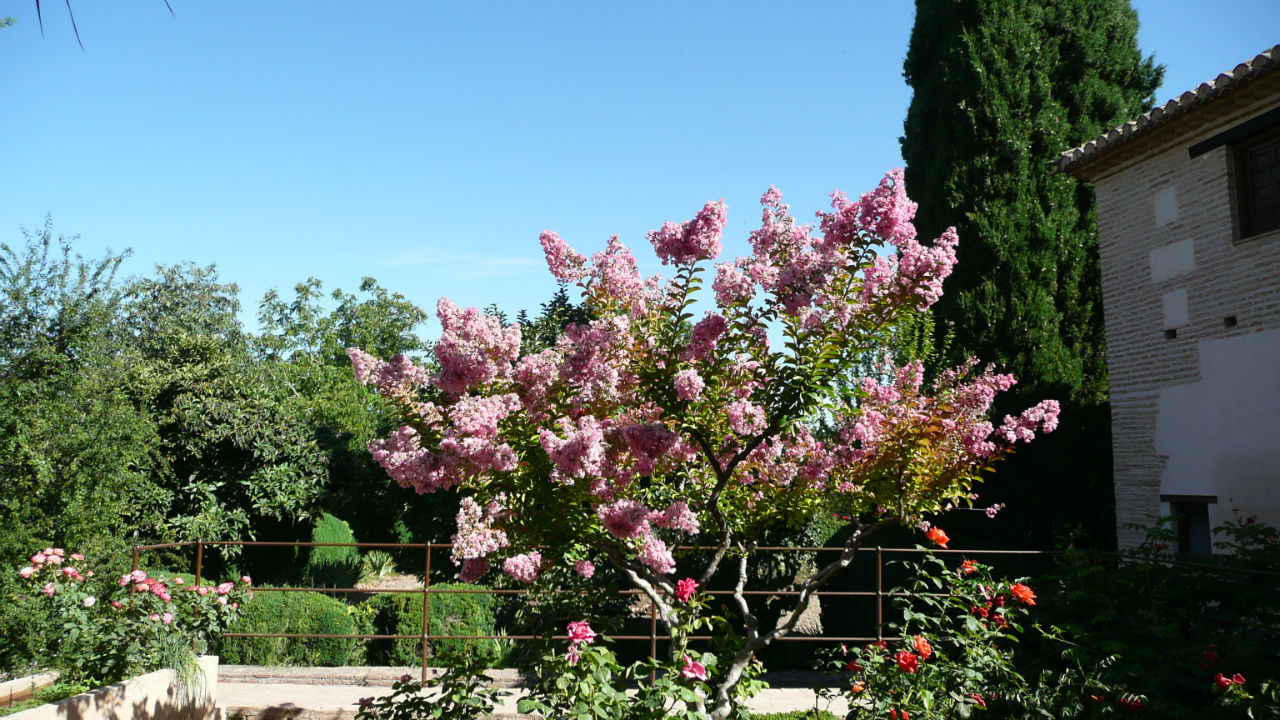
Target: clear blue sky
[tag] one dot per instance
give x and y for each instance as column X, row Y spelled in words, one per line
column 427, row 144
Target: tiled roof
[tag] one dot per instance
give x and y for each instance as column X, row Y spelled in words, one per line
column 1261, row 64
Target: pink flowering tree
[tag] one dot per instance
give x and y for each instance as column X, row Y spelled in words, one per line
column 651, row 427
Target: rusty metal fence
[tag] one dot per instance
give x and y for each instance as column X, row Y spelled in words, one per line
column 878, row 594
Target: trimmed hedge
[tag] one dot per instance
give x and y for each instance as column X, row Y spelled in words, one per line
column 329, row 566
column 451, row 614
column 293, row 612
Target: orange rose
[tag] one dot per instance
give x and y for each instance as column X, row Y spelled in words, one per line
column 1022, row 593
column 921, row 644
column 968, row 567
column 936, row 535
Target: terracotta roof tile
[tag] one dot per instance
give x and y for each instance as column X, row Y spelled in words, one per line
column 1261, row 64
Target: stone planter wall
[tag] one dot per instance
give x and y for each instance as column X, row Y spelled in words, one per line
column 154, row 696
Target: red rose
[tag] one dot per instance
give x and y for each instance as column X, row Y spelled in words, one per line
column 907, row 662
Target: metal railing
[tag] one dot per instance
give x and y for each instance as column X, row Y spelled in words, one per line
column 879, row 593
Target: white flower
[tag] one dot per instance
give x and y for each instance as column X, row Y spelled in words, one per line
column 89, row 600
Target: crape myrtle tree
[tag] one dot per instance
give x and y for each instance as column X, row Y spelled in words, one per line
column 646, row 428
column 1000, row 88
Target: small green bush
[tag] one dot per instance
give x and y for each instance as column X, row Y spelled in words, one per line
column 293, row 612
column 451, row 614
column 333, row 566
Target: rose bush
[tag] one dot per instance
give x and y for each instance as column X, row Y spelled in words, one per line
column 114, row 627
column 955, row 655
column 647, row 427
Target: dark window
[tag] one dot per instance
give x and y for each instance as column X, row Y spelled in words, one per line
column 1191, row 522
column 1258, row 184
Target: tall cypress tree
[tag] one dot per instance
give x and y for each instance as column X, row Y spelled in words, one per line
column 1000, row 88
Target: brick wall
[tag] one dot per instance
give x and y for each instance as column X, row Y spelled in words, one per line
column 1171, row 261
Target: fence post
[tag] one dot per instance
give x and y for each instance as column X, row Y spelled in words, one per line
column 653, row 637
column 879, row 594
column 426, row 611
column 199, row 560
column 135, row 558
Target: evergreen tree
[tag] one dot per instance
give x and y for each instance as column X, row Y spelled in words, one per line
column 1000, row 88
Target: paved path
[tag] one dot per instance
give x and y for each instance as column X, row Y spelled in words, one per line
column 271, row 697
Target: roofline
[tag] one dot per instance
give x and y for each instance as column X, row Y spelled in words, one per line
column 1074, row 160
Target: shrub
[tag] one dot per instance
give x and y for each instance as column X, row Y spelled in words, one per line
column 333, row 566
column 451, row 614
column 1177, row 626
column 376, row 565
column 293, row 612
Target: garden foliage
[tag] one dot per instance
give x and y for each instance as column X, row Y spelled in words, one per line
column 294, row 612
column 451, row 614
column 646, row 427
column 108, row 628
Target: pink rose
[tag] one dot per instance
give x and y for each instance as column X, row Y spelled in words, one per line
column 246, row 580
column 224, row 588
column 685, row 589
column 49, row 589
column 585, row 568
column 27, row 572
column 693, row 669
column 166, row 618
column 581, row 632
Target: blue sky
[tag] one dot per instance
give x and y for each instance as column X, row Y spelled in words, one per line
column 427, row 144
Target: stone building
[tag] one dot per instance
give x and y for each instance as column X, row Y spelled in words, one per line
column 1189, row 240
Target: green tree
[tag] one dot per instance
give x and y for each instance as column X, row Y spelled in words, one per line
column 1000, row 88
column 238, row 450
column 76, row 454
column 304, row 345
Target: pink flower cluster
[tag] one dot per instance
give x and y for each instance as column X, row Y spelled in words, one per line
column 474, row 349
column 705, row 336
column 477, row 537
column 138, row 582
column 688, row 384
column 698, row 239
column 52, row 557
column 1043, row 416
column 525, row 567
column 746, row 418
column 565, row 264
column 581, row 453
column 677, row 516
column 397, row 376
